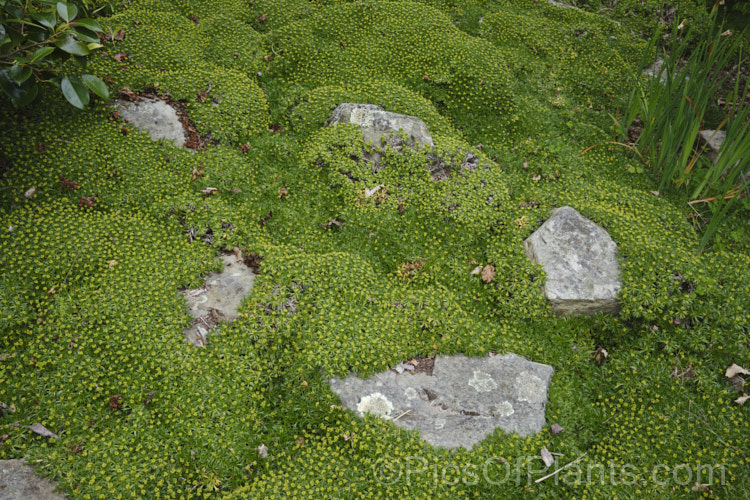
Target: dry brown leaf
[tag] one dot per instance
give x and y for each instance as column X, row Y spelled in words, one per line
column 525, row 165
column 735, row 370
column 655, row 193
column 701, row 488
column 600, row 355
column 547, row 457
column 238, row 254
column 555, row 429
column 741, row 400
column 111, row 264
column 476, row 270
column 30, row 193
column 536, row 177
column 42, row 431
column 488, row 273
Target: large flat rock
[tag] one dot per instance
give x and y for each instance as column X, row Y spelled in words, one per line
column 375, row 122
column 155, row 117
column 18, row 481
column 461, row 403
column 580, row 261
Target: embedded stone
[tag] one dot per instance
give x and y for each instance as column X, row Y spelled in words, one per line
column 218, row 299
column 714, row 138
column 375, row 123
column 18, row 481
column 155, row 117
column 580, row 261
column 462, row 402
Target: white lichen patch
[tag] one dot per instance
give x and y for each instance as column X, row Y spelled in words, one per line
column 411, row 393
column 375, row 404
column 482, row 382
column 530, row 388
column 504, row 409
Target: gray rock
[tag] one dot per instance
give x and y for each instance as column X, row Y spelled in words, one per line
column 714, row 138
column 461, row 403
column 155, row 117
column 655, row 69
column 19, row 482
column 375, row 122
column 564, row 5
column 580, row 261
column 219, row 298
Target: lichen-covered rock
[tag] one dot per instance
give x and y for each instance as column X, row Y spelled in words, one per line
column 580, row 261
column 155, row 117
column 19, row 482
column 460, row 403
column 375, row 122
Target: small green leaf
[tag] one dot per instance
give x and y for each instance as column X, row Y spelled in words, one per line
column 75, row 91
column 96, row 86
column 85, row 35
column 73, row 46
column 41, row 53
column 2, row 32
column 20, row 73
column 94, row 46
column 29, row 94
column 88, row 24
column 67, row 11
column 47, row 19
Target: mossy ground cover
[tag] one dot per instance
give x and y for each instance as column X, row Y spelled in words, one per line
column 92, row 261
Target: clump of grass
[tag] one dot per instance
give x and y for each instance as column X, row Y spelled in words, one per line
column 671, row 109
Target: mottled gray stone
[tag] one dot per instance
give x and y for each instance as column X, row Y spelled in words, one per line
column 564, row 5
column 713, row 138
column 461, row 403
column 375, row 122
column 19, row 482
column 155, row 117
column 655, row 70
column 219, row 298
column 580, row 261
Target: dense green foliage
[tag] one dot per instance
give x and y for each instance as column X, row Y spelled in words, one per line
column 36, row 38
column 91, row 342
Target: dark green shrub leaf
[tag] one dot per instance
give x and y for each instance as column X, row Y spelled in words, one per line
column 75, row 91
column 88, row 24
column 47, row 19
column 67, row 11
column 73, row 46
column 85, row 35
column 29, row 93
column 41, row 53
column 96, row 86
column 20, row 73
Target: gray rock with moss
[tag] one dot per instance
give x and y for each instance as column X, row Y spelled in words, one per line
column 375, row 122
column 461, row 403
column 155, row 117
column 580, row 261
column 18, row 481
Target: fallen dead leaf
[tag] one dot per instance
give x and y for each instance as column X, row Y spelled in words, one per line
column 30, row 193
column 476, row 270
column 209, row 190
column 283, row 192
column 741, row 400
column 536, row 177
column 525, row 166
column 701, row 488
column 555, row 429
column 488, row 273
column 111, row 264
column 331, row 223
column 121, row 56
column 238, row 254
column 263, row 451
column 655, row 193
column 600, row 355
column 42, row 431
column 735, row 370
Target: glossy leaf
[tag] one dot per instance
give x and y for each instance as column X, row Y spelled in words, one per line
column 85, row 34
column 73, row 46
column 67, row 11
column 75, row 91
column 96, row 86
column 88, row 24
column 20, row 73
column 41, row 53
column 47, row 19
